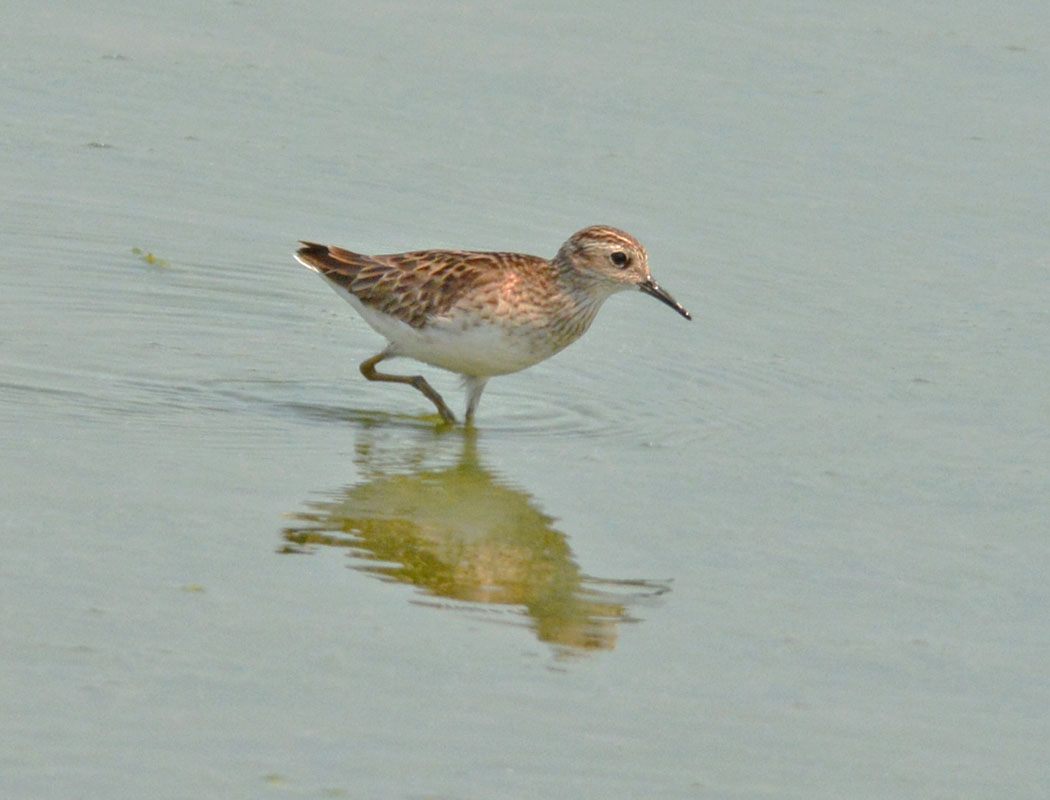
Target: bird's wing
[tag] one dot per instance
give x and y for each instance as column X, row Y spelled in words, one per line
column 413, row 287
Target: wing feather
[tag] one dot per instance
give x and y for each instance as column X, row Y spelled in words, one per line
column 414, row 287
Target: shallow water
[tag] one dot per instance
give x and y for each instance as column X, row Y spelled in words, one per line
column 796, row 548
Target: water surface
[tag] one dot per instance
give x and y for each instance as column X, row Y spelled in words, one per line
column 796, row 548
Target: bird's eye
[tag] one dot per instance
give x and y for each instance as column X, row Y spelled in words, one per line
column 619, row 258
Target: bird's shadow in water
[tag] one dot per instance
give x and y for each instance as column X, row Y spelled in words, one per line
column 465, row 538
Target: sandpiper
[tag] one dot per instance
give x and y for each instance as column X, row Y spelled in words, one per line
column 481, row 314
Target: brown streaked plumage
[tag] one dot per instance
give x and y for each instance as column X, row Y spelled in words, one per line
column 483, row 313
column 417, row 286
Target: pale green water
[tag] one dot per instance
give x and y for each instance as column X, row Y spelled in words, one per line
column 797, row 548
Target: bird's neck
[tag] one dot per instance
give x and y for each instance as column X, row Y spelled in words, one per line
column 580, row 300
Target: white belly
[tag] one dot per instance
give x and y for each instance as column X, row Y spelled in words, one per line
column 463, row 345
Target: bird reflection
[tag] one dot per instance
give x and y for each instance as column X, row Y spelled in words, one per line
column 460, row 532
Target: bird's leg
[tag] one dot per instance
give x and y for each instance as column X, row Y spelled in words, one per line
column 368, row 369
column 475, row 386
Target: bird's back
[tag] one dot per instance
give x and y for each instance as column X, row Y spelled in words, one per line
column 415, row 287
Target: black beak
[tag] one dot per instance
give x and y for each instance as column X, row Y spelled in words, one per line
column 651, row 287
